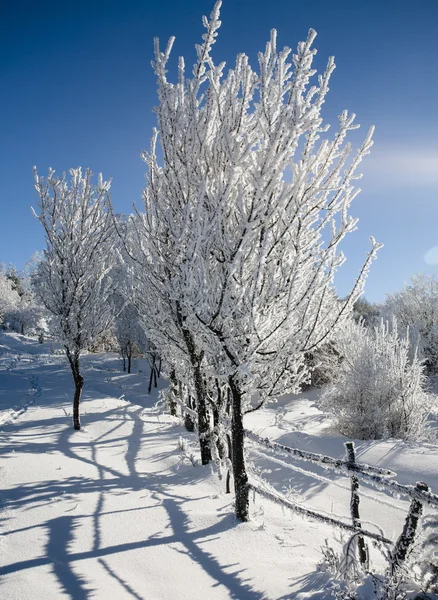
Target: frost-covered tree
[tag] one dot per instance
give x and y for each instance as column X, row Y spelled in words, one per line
column 9, row 297
column 246, row 214
column 416, row 308
column 366, row 311
column 72, row 278
column 379, row 391
column 151, row 264
column 26, row 317
column 126, row 332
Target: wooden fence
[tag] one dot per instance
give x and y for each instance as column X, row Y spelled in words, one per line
column 377, row 477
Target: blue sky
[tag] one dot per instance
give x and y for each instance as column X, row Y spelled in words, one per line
column 78, row 89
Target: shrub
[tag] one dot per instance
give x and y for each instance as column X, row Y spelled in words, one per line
column 379, row 391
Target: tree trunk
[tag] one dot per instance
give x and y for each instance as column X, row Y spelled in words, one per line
column 129, row 362
column 241, row 489
column 79, row 384
column 201, row 402
column 174, row 392
column 73, row 359
column 150, row 380
column 189, row 424
column 203, row 416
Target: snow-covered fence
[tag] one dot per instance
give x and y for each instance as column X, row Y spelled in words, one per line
column 312, row 514
column 375, row 476
column 327, row 462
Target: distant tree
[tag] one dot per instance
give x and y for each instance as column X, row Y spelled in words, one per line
column 416, row 310
column 9, row 297
column 72, row 278
column 126, row 330
column 366, row 311
column 16, row 280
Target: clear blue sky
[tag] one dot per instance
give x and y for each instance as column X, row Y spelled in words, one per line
column 77, row 88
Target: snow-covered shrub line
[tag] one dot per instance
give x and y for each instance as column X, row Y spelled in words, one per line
column 311, row 514
column 327, row 462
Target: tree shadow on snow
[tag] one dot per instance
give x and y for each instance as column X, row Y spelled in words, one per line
column 109, row 481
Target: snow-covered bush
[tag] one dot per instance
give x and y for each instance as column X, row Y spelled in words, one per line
column 378, row 392
column 25, row 318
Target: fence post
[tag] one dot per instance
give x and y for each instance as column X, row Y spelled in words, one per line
column 354, row 506
column 407, row 536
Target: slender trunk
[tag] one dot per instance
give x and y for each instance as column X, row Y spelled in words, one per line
column 239, row 469
column 203, row 416
column 201, row 402
column 150, row 381
column 155, row 375
column 73, row 359
column 174, row 392
column 230, row 457
column 79, row 384
column 189, row 424
column 129, row 362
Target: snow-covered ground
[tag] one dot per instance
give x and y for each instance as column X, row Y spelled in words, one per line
column 116, row 511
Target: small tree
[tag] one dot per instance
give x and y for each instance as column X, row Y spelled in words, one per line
column 379, row 391
column 71, row 280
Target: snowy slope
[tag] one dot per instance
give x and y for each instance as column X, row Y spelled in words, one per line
column 115, row 511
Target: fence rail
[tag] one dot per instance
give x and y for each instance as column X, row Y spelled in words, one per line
column 376, row 476
column 314, row 515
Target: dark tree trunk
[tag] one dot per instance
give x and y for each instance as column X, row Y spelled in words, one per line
column 189, row 424
column 150, row 380
column 201, row 401
column 154, row 371
column 129, row 362
column 240, row 475
column 230, row 456
column 174, row 390
column 73, row 359
column 79, row 384
column 203, row 416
